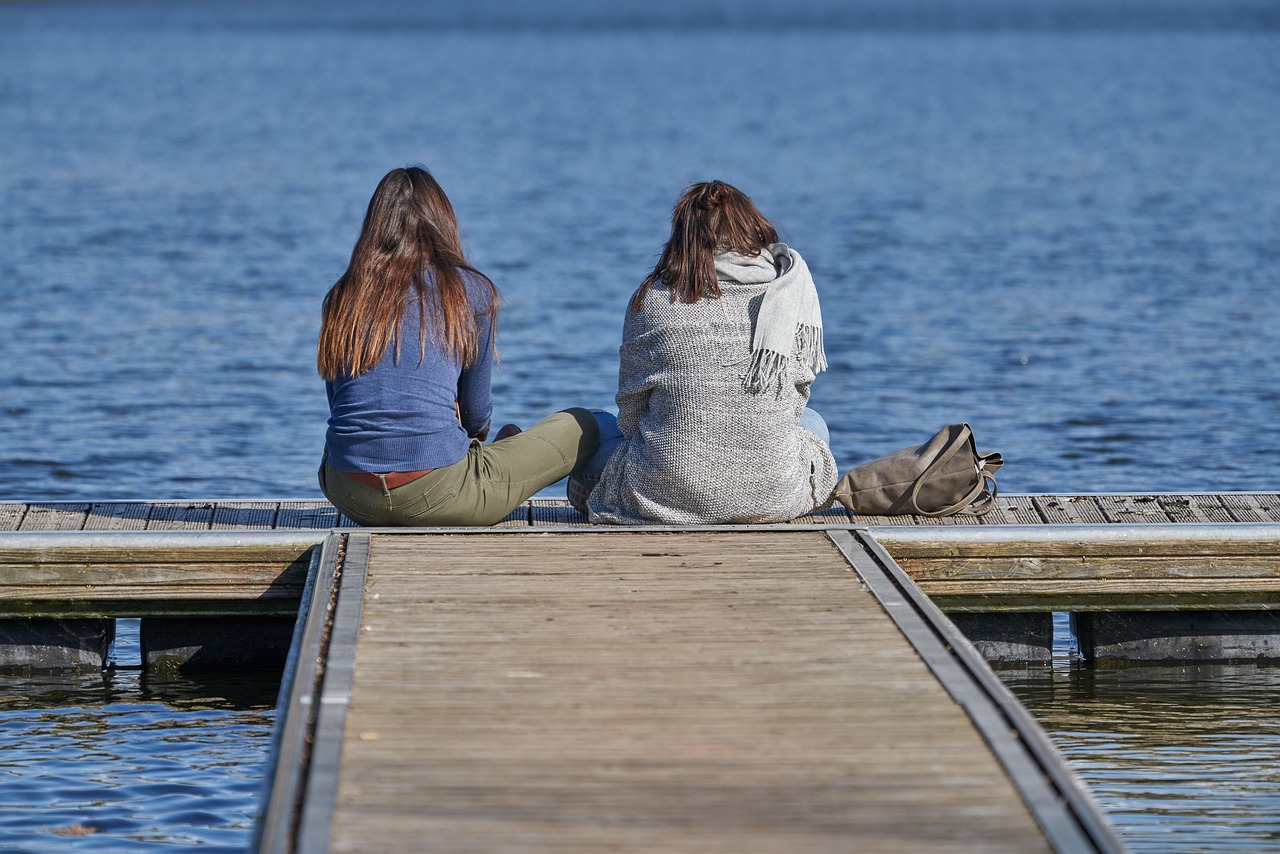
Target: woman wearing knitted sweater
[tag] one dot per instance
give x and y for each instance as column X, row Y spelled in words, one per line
column 719, row 347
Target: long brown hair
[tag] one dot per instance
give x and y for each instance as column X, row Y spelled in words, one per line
column 710, row 217
column 409, row 228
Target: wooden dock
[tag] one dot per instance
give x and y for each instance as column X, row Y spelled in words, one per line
column 1213, row 558
column 770, row 690
column 550, row 685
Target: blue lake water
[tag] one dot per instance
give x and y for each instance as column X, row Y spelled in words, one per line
column 1058, row 221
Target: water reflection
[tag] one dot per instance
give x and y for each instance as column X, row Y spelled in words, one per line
column 116, row 760
column 1182, row 758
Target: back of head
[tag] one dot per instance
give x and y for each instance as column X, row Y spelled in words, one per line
column 710, row 217
column 409, row 227
column 409, row 216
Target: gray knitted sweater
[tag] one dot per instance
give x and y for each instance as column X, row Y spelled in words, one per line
column 700, row 448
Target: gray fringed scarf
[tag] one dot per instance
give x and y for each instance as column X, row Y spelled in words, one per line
column 789, row 313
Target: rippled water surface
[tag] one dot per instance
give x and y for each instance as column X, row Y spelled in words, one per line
column 1062, row 227
column 123, row 762
column 1181, row 759
column 1059, row 221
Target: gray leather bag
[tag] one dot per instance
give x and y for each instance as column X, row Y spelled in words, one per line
column 944, row 476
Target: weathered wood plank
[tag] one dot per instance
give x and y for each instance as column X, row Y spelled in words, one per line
column 306, row 515
column 1001, row 512
column 1104, row 546
column 676, row 692
column 1126, row 594
column 835, row 515
column 1103, row 569
column 1194, row 508
column 97, row 580
column 251, row 515
column 1270, row 505
column 55, row 517
column 118, row 516
column 1125, row 509
column 551, row 512
column 1070, row 510
column 869, row 519
column 1246, row 508
column 1013, row 510
column 11, row 516
column 959, row 519
column 179, row 516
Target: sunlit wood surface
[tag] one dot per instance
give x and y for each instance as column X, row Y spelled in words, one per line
column 1065, row 509
column 651, row 692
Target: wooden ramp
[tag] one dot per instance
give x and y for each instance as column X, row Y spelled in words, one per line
column 772, row 690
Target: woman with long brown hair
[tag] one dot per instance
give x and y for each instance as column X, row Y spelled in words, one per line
column 719, row 347
column 406, row 351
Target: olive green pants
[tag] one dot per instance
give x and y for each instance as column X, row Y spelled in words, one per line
column 482, row 487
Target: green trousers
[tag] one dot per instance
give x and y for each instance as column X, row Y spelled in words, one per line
column 482, row 487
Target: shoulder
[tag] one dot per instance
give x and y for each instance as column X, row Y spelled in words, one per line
column 481, row 291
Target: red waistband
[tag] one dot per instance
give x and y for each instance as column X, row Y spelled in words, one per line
column 394, row 479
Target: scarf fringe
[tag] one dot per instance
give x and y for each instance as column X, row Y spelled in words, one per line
column 812, row 352
column 768, row 369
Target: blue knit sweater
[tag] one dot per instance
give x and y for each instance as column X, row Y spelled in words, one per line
column 400, row 415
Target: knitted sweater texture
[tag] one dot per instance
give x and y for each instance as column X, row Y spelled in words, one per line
column 700, row 448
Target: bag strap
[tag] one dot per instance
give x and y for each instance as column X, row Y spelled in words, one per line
column 980, row 491
column 945, row 454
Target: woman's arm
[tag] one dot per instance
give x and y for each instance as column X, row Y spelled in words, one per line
column 636, row 379
column 475, row 400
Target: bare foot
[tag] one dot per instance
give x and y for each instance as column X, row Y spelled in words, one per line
column 506, row 431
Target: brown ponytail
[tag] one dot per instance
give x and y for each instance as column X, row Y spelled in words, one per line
column 710, row 217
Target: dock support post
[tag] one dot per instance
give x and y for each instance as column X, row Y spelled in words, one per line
column 1179, row 636
column 1008, row 637
column 214, row 642
column 45, row 644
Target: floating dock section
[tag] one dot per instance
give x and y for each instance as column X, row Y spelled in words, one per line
column 650, row 691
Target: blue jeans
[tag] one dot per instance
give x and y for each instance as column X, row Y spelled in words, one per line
column 810, row 420
column 583, row 480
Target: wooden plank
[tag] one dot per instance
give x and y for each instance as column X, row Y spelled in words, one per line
column 674, row 692
column 160, row 580
column 1194, row 508
column 245, row 515
column 306, row 515
column 56, row 516
column 1070, row 510
column 869, row 519
column 1077, row 546
column 118, row 516
column 959, row 519
column 11, row 516
column 1067, row 595
column 1246, row 508
column 1126, row 509
column 1014, row 510
column 179, row 516
column 551, row 512
column 834, row 515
